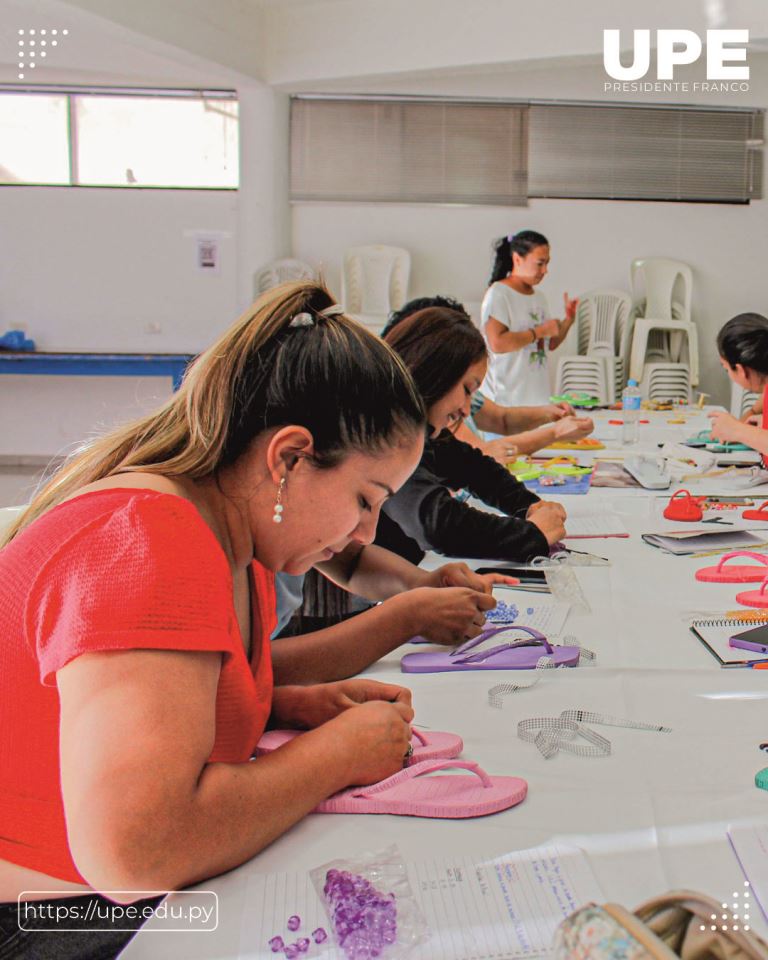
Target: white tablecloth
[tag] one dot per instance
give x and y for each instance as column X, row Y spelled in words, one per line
column 653, row 816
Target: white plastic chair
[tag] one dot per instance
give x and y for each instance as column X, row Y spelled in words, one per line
column 660, row 282
column 593, row 375
column 374, row 281
column 741, row 400
column 605, row 314
column 281, row 271
column 662, row 291
column 666, row 381
column 647, row 345
column 7, row 516
column 604, row 328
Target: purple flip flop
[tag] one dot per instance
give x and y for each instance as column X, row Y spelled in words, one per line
column 515, row 655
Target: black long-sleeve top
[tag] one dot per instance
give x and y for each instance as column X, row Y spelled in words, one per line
column 423, row 515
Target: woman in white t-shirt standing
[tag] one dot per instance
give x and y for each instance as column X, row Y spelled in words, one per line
column 516, row 322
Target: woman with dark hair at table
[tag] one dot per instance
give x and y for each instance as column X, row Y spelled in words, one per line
column 447, row 358
column 743, row 347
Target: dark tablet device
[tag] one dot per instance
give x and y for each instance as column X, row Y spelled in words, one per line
column 522, row 573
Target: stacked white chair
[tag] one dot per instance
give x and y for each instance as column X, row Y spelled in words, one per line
column 665, row 350
column 741, row 400
column 664, row 381
column 374, row 281
column 603, row 325
column 280, row 271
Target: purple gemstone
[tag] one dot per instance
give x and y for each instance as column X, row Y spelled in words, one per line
column 276, row 944
column 319, row 935
column 291, row 951
column 303, row 944
column 293, row 923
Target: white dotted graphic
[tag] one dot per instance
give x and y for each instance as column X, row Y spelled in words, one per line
column 30, row 48
column 734, row 916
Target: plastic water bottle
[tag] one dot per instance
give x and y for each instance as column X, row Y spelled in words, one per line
column 630, row 406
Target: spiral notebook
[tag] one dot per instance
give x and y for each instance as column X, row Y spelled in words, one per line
column 715, row 634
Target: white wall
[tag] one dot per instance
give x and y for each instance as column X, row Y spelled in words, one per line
column 92, row 269
column 593, row 242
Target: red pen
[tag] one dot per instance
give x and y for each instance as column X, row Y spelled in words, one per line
column 617, row 423
column 643, row 421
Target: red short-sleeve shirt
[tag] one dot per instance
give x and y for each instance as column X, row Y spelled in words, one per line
column 115, row 569
column 765, row 422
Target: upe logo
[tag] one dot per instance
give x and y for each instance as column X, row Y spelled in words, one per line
column 677, row 48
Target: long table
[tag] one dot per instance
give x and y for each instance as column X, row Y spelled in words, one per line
column 652, row 816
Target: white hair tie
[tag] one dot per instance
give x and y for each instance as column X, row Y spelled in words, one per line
column 302, row 320
column 332, row 311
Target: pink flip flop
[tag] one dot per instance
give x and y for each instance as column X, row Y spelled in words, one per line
column 517, row 655
column 754, row 598
column 407, row 793
column 738, row 573
column 426, row 746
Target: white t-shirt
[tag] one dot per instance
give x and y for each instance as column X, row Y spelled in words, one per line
column 519, row 378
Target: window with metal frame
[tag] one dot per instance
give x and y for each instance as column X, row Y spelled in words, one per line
column 634, row 152
column 433, row 150
column 408, row 150
column 119, row 137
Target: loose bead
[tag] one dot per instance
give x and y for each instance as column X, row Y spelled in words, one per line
column 293, row 923
column 319, row 935
column 303, row 944
column 276, row 944
column 291, row 951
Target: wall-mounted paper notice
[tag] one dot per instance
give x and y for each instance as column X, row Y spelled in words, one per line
column 500, row 908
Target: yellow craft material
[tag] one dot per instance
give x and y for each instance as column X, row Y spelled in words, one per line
column 583, row 444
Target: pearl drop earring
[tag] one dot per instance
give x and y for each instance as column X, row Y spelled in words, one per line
column 277, row 516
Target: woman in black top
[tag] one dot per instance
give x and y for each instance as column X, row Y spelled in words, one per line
column 447, row 357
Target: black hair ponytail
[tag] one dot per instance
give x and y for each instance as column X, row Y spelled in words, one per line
column 744, row 340
column 521, row 243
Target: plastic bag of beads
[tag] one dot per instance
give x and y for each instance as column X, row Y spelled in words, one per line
column 370, row 905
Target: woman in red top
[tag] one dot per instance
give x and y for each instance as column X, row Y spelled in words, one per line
column 137, row 601
column 743, row 347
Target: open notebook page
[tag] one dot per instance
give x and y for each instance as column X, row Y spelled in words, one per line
column 476, row 908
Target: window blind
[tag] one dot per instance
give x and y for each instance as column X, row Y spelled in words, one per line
column 408, row 151
column 645, row 153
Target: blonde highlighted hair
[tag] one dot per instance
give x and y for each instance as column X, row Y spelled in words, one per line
column 326, row 373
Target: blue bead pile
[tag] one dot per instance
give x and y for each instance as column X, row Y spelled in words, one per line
column 363, row 919
column 503, row 613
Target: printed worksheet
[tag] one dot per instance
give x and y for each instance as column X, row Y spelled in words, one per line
column 517, row 606
column 501, row 908
column 590, row 520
